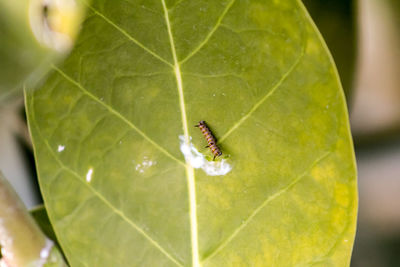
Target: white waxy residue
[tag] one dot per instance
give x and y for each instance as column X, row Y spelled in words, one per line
column 198, row 160
column 60, row 148
column 45, row 252
column 3, row 252
column 89, row 175
column 145, row 164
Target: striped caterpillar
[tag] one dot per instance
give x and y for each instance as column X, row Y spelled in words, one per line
column 212, row 144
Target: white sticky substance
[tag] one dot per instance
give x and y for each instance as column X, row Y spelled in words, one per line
column 60, row 148
column 43, row 258
column 198, row 161
column 141, row 167
column 89, row 175
column 45, row 252
column 3, row 251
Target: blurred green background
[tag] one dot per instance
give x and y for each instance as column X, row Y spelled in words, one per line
column 364, row 39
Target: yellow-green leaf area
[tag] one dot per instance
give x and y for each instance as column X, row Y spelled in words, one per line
column 111, row 124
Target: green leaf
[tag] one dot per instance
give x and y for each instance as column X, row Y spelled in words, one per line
column 110, row 127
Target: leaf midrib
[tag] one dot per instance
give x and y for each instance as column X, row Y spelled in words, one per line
column 190, row 176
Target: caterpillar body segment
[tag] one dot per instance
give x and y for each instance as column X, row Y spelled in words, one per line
column 212, row 144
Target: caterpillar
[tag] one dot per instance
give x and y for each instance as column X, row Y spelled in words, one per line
column 212, row 144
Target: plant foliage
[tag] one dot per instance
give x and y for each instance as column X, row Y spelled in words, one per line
column 109, row 127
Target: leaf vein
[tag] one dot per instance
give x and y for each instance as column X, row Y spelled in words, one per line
column 262, row 100
column 103, row 199
column 130, row 37
column 112, row 207
column 204, row 42
column 263, row 205
column 117, row 114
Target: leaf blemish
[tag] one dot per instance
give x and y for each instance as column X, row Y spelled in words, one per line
column 198, row 161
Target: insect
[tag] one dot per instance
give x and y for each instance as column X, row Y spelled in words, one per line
column 212, row 144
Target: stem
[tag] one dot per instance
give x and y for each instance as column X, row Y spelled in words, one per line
column 22, row 242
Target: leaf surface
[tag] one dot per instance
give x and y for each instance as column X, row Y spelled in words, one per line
column 110, row 127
